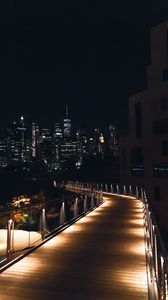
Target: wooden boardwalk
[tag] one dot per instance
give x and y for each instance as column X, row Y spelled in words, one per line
column 101, row 257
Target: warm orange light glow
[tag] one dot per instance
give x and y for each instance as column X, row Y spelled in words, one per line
column 137, row 248
column 119, row 195
column 125, row 251
column 57, row 241
column 22, row 238
column 94, row 213
column 136, row 232
column 136, row 221
column 23, row 267
column 17, row 201
column 137, row 210
column 73, row 228
column 134, row 279
column 84, row 220
column 138, row 215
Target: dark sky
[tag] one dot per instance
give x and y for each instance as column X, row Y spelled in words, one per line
column 89, row 54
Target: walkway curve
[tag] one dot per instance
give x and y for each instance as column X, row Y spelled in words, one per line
column 101, row 257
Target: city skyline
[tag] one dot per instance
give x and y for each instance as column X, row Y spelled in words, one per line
column 58, row 119
column 56, row 145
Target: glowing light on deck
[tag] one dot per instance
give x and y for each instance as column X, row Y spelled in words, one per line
column 94, row 214
column 135, row 279
column 73, row 228
column 119, row 195
column 57, row 241
column 23, row 267
column 136, row 221
column 135, row 232
column 137, row 248
column 78, row 226
column 137, row 210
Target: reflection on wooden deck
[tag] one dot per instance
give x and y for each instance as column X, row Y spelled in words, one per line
column 101, row 257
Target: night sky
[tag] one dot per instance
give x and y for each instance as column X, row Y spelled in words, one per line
column 89, row 54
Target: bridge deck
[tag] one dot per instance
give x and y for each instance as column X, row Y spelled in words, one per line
column 101, row 257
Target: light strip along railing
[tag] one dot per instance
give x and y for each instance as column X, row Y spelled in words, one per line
column 86, row 189
column 23, row 229
column 157, row 257
column 156, row 253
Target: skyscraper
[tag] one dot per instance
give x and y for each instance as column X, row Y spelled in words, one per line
column 57, row 140
column 35, row 139
column 20, row 140
column 46, row 146
column 113, row 141
column 67, row 124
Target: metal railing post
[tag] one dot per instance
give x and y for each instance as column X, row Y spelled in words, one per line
column 43, row 224
column 10, row 238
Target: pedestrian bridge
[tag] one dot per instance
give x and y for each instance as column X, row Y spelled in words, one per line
column 102, row 256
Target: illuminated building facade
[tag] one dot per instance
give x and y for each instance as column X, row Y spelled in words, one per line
column 54, row 146
column 68, row 150
column 96, row 144
column 57, row 135
column 144, row 151
column 35, row 140
column 46, row 146
column 3, row 154
column 101, row 144
column 18, row 147
column 82, row 142
column 67, row 125
column 57, row 141
column 113, row 141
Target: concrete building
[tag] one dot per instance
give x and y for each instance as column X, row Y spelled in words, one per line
column 144, row 151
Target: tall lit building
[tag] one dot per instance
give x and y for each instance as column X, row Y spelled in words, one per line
column 22, row 130
column 10, row 139
column 101, row 144
column 82, row 141
column 20, row 140
column 67, row 124
column 94, row 142
column 3, row 154
column 35, row 139
column 57, row 140
column 68, row 150
column 46, row 146
column 57, row 135
column 16, row 142
column 113, row 141
column 46, row 134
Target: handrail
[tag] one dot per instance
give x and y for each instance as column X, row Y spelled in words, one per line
column 156, row 253
column 51, row 218
column 26, row 228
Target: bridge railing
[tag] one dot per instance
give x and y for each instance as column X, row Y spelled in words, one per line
column 156, row 253
column 22, row 229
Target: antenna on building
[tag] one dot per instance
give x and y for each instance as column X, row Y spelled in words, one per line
column 22, row 120
column 67, row 111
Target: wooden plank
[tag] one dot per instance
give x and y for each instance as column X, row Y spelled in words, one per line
column 101, row 257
